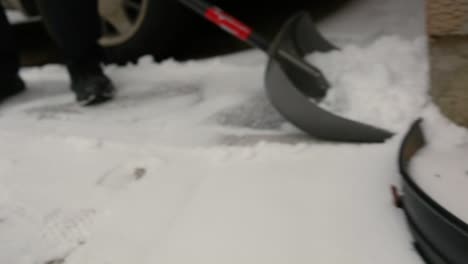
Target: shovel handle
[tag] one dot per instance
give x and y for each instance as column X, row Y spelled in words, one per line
column 243, row 32
column 227, row 22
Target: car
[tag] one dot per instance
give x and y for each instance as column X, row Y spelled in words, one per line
column 163, row 28
column 130, row 28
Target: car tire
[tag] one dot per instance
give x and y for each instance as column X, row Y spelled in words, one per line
column 157, row 31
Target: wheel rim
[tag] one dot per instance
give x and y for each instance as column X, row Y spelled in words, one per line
column 120, row 19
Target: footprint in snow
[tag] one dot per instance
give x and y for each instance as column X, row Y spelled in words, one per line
column 124, row 174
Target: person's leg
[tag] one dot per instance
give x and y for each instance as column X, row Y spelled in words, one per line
column 8, row 53
column 75, row 27
column 10, row 83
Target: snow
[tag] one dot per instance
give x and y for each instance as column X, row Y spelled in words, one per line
column 249, row 206
column 369, row 86
column 170, row 104
column 192, row 163
column 441, row 168
column 17, row 17
column 364, row 21
column 446, row 180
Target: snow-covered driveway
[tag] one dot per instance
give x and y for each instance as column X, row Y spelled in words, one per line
column 191, row 164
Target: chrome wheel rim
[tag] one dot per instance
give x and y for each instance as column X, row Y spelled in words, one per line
column 120, row 19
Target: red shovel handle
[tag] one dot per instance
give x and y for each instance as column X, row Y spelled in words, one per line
column 228, row 23
column 246, row 34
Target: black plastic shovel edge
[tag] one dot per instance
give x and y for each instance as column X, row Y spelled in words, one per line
column 440, row 237
column 291, row 89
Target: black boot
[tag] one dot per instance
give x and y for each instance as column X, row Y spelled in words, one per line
column 90, row 84
column 10, row 86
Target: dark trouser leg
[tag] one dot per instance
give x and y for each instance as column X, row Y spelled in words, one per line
column 9, row 62
column 75, row 27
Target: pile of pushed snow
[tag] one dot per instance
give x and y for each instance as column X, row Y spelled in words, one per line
column 441, row 168
column 384, row 84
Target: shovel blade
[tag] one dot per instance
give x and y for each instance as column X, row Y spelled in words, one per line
column 440, row 236
column 291, row 89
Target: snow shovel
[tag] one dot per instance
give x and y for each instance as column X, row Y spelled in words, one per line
column 440, row 237
column 294, row 86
